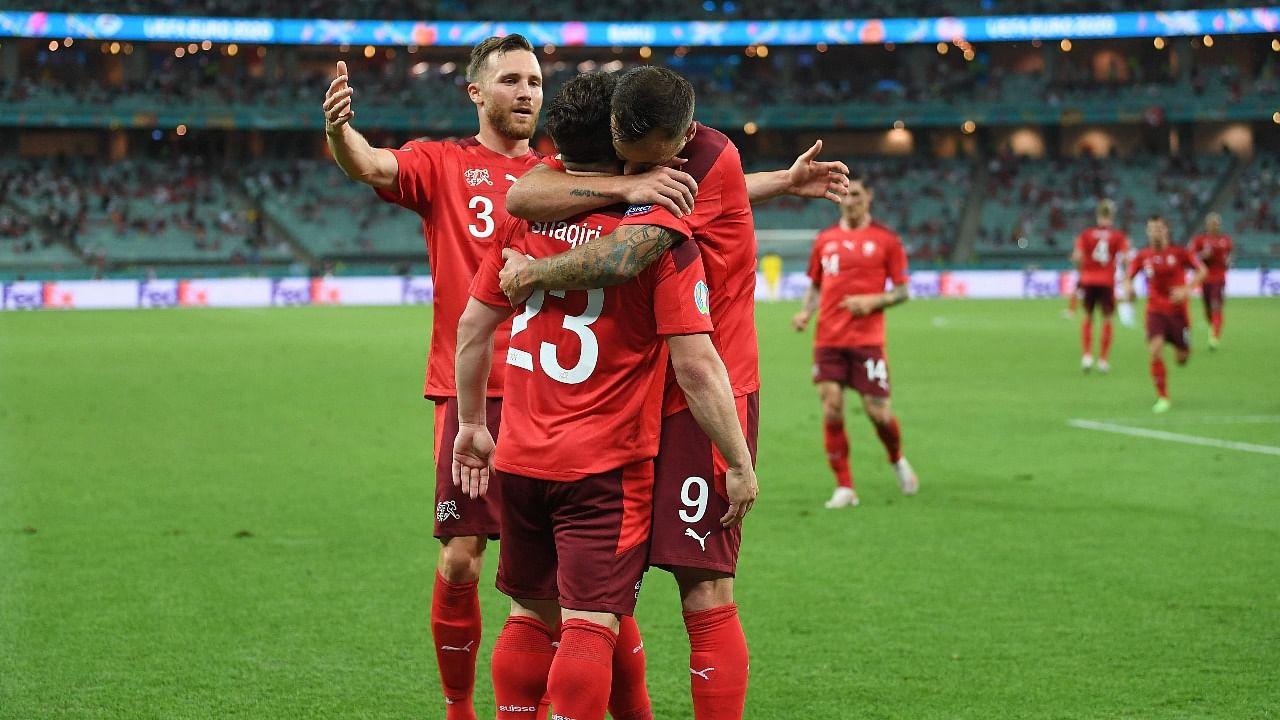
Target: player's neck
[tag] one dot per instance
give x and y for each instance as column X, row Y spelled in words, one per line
column 847, row 224
column 491, row 139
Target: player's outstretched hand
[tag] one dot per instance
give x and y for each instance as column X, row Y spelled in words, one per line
column 665, row 187
column 809, row 177
column 800, row 321
column 472, row 458
column 742, row 488
column 337, row 101
column 509, row 277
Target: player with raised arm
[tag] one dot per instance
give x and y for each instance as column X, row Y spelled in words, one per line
column 1165, row 267
column 1098, row 252
column 586, row 369
column 652, row 124
column 459, row 188
column 1214, row 250
column 851, row 264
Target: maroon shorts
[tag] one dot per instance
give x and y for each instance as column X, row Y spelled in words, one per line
column 1173, row 327
column 456, row 514
column 865, row 369
column 1101, row 296
column 690, row 497
column 584, row 543
column 1214, row 295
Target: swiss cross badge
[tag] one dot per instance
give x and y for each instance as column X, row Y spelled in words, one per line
column 476, row 176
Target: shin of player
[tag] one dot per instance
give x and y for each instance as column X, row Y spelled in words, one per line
column 1165, row 266
column 1213, row 248
column 1098, row 252
column 458, row 189
column 852, row 263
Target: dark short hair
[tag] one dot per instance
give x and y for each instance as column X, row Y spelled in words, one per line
column 1156, row 217
column 488, row 47
column 577, row 119
column 651, row 98
column 860, row 177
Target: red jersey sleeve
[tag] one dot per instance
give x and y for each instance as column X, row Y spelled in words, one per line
column 896, row 262
column 655, row 215
column 1190, row 260
column 681, row 300
column 1135, row 266
column 553, row 162
column 1080, row 244
column 418, row 161
column 815, row 262
column 485, row 286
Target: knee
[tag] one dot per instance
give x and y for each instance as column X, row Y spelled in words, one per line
column 461, row 558
column 698, row 594
column 832, row 413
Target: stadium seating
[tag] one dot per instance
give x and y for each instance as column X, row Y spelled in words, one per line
column 1253, row 218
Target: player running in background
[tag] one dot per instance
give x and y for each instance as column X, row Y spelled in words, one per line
column 851, row 264
column 1098, row 252
column 1214, row 250
column 576, row 524
column 1165, row 267
column 459, row 189
column 653, row 126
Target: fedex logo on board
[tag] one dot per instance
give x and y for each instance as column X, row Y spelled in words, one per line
column 158, row 294
column 1270, row 286
column 290, row 291
column 23, row 296
column 1041, row 284
column 418, row 291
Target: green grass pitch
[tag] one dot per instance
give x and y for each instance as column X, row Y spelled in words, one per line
column 227, row 514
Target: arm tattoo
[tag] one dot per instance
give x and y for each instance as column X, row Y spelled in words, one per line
column 609, row 260
column 585, row 192
column 898, row 295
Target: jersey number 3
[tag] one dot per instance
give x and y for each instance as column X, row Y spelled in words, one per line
column 483, row 226
column 547, row 353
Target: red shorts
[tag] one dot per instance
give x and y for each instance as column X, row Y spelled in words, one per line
column 689, row 494
column 1173, row 327
column 584, row 543
column 865, row 369
column 456, row 514
column 1214, row 295
column 1102, row 296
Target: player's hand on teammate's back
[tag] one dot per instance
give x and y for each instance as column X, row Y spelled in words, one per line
column 665, row 187
column 742, row 488
column 337, row 101
column 860, row 305
column 472, row 459
column 800, row 321
column 809, row 177
column 509, row 277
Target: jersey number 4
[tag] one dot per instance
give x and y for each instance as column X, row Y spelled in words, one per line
column 1102, row 252
column 831, row 264
column 548, row 353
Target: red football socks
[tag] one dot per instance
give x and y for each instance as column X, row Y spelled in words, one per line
column 718, row 663
column 1216, row 321
column 455, row 629
column 1105, row 351
column 521, row 662
column 837, row 444
column 582, row 672
column 1086, row 336
column 1159, row 374
column 891, row 436
column 629, row 696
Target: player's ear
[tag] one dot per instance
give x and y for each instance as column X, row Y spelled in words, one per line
column 693, row 130
column 473, row 90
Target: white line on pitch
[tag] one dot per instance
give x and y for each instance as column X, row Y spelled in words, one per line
column 1173, row 437
column 1200, row 419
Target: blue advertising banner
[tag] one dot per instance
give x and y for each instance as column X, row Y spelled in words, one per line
column 603, row 34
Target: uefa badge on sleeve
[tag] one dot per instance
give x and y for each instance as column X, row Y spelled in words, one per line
column 702, row 297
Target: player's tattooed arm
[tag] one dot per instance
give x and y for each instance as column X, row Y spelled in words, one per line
column 862, row 305
column 544, row 194
column 609, row 260
column 807, row 308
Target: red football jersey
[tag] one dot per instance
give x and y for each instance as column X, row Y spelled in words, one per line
column 460, row 190
column 854, row 262
column 1219, row 247
column 586, row 368
column 1099, row 248
column 723, row 227
column 1165, row 270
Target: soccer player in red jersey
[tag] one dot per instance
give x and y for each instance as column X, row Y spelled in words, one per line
column 459, row 188
column 851, row 264
column 1097, row 253
column 1214, row 250
column 653, row 126
column 1165, row 267
column 576, row 524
